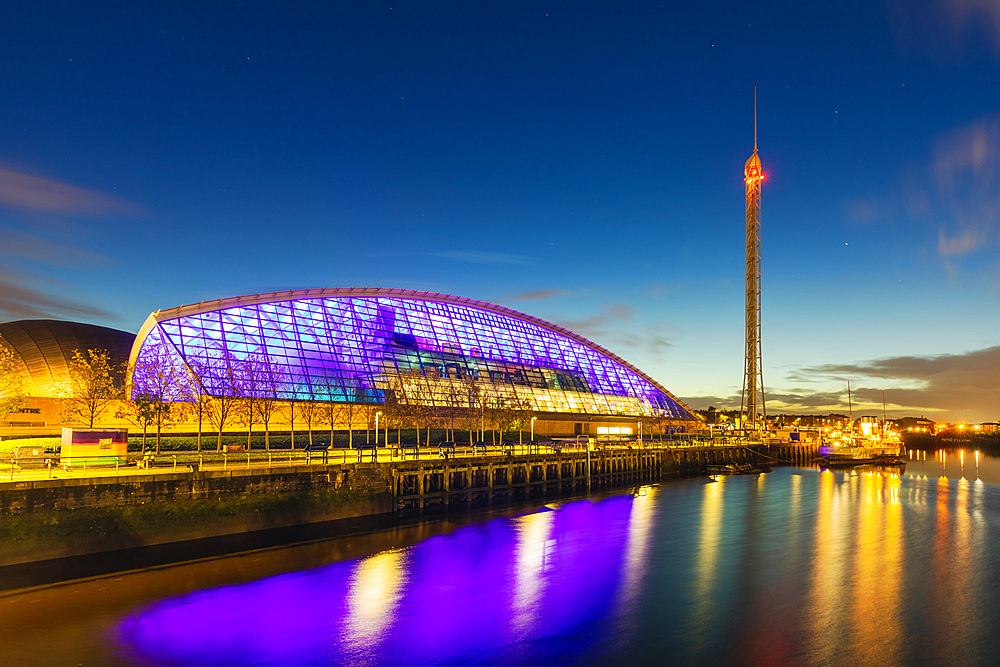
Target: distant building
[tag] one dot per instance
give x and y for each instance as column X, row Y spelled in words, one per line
column 46, row 348
column 915, row 425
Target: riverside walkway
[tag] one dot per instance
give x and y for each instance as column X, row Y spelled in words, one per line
column 690, row 453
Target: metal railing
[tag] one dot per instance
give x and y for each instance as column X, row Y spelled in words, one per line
column 50, row 465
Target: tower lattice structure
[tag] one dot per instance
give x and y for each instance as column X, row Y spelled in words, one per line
column 752, row 402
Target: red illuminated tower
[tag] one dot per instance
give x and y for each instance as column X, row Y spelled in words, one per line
column 752, row 403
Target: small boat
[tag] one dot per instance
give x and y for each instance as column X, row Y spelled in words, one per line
column 852, row 448
column 733, row 469
column 862, row 450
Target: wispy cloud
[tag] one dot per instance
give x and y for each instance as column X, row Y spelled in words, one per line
column 808, row 402
column 651, row 340
column 942, row 28
column 475, row 257
column 537, row 295
column 34, row 193
column 19, row 300
column 597, row 325
column 958, row 193
column 18, row 244
column 967, row 175
column 615, row 328
column 705, row 402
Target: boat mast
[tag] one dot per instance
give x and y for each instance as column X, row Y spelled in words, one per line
column 850, row 406
column 883, row 413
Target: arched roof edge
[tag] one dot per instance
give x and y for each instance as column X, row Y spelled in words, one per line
column 140, row 337
column 376, row 292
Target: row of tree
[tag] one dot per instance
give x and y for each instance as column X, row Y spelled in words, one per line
column 13, row 393
column 158, row 391
column 249, row 393
column 95, row 382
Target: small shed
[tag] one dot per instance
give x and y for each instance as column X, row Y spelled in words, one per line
column 81, row 446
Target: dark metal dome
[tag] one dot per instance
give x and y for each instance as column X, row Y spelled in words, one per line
column 47, row 346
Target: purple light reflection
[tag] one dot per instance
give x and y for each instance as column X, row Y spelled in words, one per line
column 539, row 587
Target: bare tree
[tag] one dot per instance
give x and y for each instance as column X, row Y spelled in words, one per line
column 309, row 412
column 199, row 399
column 413, row 402
column 346, row 415
column 524, row 411
column 395, row 409
column 350, row 410
column 450, row 415
column 272, row 381
column 95, row 385
column 421, row 404
column 137, row 409
column 250, row 387
column 288, row 409
column 221, row 377
column 367, row 411
column 504, row 415
column 12, row 391
column 156, row 378
column 490, row 408
column 658, row 422
column 199, row 409
column 472, row 417
column 328, row 392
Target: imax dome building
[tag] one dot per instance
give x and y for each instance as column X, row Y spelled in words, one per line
column 355, row 345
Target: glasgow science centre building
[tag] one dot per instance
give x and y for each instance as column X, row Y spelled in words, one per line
column 355, row 345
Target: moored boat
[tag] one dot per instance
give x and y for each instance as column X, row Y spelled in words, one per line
column 862, row 450
column 733, row 469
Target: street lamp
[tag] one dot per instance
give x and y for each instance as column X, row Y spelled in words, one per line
column 533, row 428
column 377, row 415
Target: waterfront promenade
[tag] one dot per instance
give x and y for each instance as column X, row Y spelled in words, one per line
column 48, row 466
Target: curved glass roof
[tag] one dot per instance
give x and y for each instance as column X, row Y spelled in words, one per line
column 348, row 344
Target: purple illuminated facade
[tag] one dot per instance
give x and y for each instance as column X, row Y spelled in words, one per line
column 353, row 345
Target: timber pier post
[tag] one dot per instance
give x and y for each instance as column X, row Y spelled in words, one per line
column 450, row 484
column 432, row 485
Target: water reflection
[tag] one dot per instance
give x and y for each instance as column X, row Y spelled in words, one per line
column 635, row 565
column 535, row 552
column 708, row 556
column 374, row 593
column 810, row 567
column 959, row 464
column 877, row 631
column 829, row 560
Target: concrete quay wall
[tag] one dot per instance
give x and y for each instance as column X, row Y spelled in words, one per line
column 49, row 519
column 58, row 518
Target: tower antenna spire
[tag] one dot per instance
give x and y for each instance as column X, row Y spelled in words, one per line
column 755, row 118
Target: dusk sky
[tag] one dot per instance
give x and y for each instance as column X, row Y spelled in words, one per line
column 581, row 162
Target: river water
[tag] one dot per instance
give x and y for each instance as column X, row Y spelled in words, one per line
column 795, row 567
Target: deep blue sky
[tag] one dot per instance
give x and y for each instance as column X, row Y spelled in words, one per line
column 581, row 162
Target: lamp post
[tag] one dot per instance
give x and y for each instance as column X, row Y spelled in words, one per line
column 533, row 428
column 377, row 415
